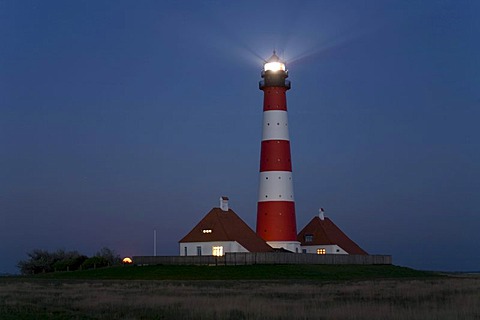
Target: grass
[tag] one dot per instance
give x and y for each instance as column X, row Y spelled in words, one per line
column 251, row 272
column 423, row 298
column 241, row 292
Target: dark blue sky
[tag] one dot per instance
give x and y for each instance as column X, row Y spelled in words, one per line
column 117, row 118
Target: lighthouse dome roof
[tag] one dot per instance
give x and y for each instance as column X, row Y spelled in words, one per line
column 274, row 58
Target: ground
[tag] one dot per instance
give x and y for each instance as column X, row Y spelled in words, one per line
column 406, row 294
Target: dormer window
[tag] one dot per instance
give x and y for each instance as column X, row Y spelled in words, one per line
column 309, row 238
column 207, row 230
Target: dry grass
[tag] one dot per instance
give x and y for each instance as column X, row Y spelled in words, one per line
column 450, row 298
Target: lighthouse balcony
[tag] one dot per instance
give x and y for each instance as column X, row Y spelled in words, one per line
column 274, row 83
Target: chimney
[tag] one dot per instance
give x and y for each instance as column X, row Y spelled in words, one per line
column 321, row 214
column 224, row 203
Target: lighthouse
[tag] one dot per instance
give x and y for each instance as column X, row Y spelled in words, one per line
column 222, row 231
column 276, row 222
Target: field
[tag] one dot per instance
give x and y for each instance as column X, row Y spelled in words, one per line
column 314, row 292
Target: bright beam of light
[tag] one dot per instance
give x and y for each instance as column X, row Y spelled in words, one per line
column 302, row 49
column 299, row 41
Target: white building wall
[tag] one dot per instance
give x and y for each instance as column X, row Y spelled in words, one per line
column 293, row 246
column 329, row 249
column 206, row 247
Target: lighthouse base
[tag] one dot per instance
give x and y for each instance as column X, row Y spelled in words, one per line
column 293, row 246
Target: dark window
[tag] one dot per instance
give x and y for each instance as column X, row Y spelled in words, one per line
column 308, row 237
column 199, row 251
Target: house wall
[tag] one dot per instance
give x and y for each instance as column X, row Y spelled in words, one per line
column 292, row 246
column 329, row 249
column 206, row 247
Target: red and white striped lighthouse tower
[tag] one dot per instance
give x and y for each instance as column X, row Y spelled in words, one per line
column 276, row 222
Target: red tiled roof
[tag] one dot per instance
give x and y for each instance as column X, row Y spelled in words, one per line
column 226, row 226
column 325, row 232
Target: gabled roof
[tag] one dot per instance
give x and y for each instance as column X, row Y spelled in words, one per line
column 226, row 226
column 325, row 232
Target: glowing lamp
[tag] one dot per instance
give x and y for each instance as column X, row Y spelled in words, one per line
column 274, row 64
column 127, row 260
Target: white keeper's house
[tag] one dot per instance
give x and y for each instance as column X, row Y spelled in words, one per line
column 219, row 232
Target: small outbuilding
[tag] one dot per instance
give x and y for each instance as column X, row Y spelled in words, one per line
column 322, row 236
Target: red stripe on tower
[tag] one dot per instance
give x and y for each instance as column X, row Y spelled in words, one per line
column 276, row 222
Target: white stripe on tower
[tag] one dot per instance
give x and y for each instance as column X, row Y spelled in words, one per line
column 275, row 125
column 276, row 186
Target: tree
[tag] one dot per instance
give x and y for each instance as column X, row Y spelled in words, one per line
column 39, row 261
column 94, row 262
column 42, row 261
column 70, row 261
column 109, row 255
column 103, row 258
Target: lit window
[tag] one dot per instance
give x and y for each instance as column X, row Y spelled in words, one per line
column 217, row 251
column 321, row 251
column 207, row 230
column 308, row 237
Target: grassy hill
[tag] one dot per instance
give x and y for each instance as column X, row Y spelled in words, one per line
column 249, row 272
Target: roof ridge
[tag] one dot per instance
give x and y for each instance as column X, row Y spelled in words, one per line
column 217, row 215
column 323, row 229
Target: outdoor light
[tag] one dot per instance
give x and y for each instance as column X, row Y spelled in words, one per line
column 274, row 64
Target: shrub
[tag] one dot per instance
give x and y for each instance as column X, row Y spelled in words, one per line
column 109, row 255
column 95, row 262
column 42, row 261
column 39, row 261
column 70, row 264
